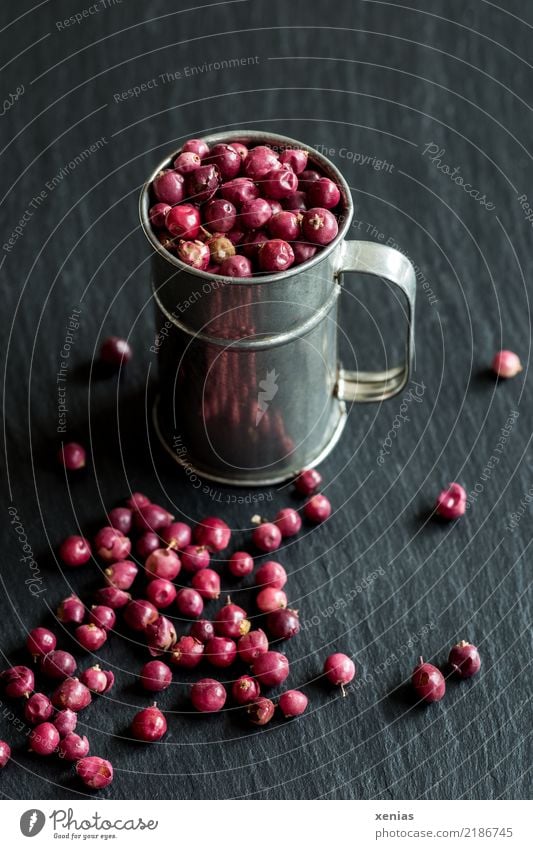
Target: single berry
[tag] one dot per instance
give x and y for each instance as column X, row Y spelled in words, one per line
column 464, row 659
column 72, row 694
column 186, row 162
column 44, row 738
column 253, row 242
column 194, row 558
column 38, row 708
column 295, row 203
column 269, row 599
column 245, row 690
column 202, row 183
column 323, row 193
column 307, row 482
column 236, row 266
column 155, row 676
column 5, row 753
column 163, row 563
column 189, row 603
column 241, row 149
column 317, row 509
column 72, row 456
column 220, row 215
column 227, row 159
column 112, row 597
column 152, row 517
column 339, row 670
column 95, row 772
column 75, row 551
column 90, row 637
column 271, row 574
column 187, row 652
column 261, row 711
column 266, row 536
column 157, row 214
column 115, row 352
column 275, row 256
column 231, row 621
column 213, row 533
column 73, row 747
column 319, row 226
column 102, row 616
column 160, row 636
column 65, row 721
column 306, row 177
column 284, row 225
column 194, row 253
column 169, row 187
column 275, row 207
column 137, row 500
column 18, row 681
column 196, row 146
column 97, row 680
column 207, row 583
column 506, row 364
column 71, row 610
column 139, row 614
column 451, row 502
column 259, row 162
column 202, row 630
column 183, row 222
column 280, row 182
column 283, row 623
column 255, row 213
column 288, row 521
column 121, row 519
column 428, row 682
column 111, row 545
column 271, row 668
column 293, row 703
column 147, row 543
column 239, row 190
column 296, row 158
column 161, row 593
column 220, row 651
column 177, row 534
column 149, row 725
column 303, row 251
column 241, row 564
column 40, row 641
column 58, row 664
column 121, row 574
column 208, row 695
column 252, row 645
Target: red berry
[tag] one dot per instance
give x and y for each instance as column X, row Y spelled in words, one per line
column 293, row 703
column 271, row 574
column 137, row 500
column 303, row 251
column 58, row 664
column 73, row 747
column 152, row 517
column 111, row 545
column 271, row 668
column 157, row 213
column 323, row 193
column 319, row 226
column 296, row 158
column 71, row 610
column 147, row 543
column 95, row 772
column 506, row 364
column 194, row 558
column 65, row 721
column 428, row 682
column 284, row 225
column 317, row 509
column 202, row 183
column 255, row 213
column 155, row 676
column 236, row 266
column 451, row 503
column 259, row 162
column 75, row 551
column 339, row 669
column 239, row 190
column 149, row 725
column 121, row 574
column 308, row 481
column 112, row 597
column 241, row 564
column 207, row 583
column 90, row 637
column 280, row 182
column 231, row 621
column 208, row 695
column 115, row 351
column 177, row 534
column 202, row 630
column 161, row 592
column 464, row 659
column 72, row 694
column 97, row 680
column 275, row 256
column 121, row 519
column 261, row 711
column 102, row 616
column 196, row 146
column 44, row 738
column 213, row 533
column 163, row 563
column 266, row 536
column 169, row 187
column 288, row 521
column 38, row 708
column 40, row 641
column 269, row 599
column 186, row 162
column 251, row 645
column 72, row 456
column 220, row 215
column 283, row 623
column 18, row 681
column 220, row 651
column 189, row 603
column 187, row 652
column 139, row 614
column 245, row 690
column 227, row 160
column 5, row 753
column 160, row 635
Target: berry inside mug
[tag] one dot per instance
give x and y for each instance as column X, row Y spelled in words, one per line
column 248, row 230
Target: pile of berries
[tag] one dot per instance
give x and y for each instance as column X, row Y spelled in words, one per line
column 239, row 211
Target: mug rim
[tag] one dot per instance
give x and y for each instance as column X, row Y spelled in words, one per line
column 257, row 136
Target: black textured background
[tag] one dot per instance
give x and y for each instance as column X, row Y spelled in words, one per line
column 379, row 79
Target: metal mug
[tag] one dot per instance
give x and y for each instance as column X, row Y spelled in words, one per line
column 251, row 390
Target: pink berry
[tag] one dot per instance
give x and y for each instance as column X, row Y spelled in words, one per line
column 111, row 545
column 280, row 182
column 183, row 222
column 202, row 630
column 266, row 536
column 296, row 158
column 102, row 616
column 95, row 772
column 428, row 682
column 271, row 668
column 121, row 574
column 149, row 725
column 202, row 183
column 269, row 599
column 97, row 680
column 115, row 352
column 44, row 738
column 186, row 162
column 147, row 543
column 137, row 500
column 303, row 251
column 220, row 651
column 121, row 519
column 90, row 637
column 152, row 517
column 305, row 178
column 160, row 635
column 506, row 364
column 18, row 681
column 339, row 670
column 254, row 213
column 71, row 610
column 157, row 214
column 194, row 558
column 65, row 721
column 236, row 266
column 163, row 563
column 58, row 664
column 288, row 521
column 75, row 551
column 239, row 190
column 283, row 623
column 208, row 695
column 293, row 703
column 72, row 694
column 275, row 207
column 231, row 621
column 275, row 256
column 40, row 641
column 307, row 482
column 261, row 711
column 5, row 753
column 317, row 509
column 220, row 248
column 155, row 676
column 227, row 160
column 319, row 226
column 212, row 532
column 207, row 583
column 140, row 613
column 251, row 645
column 189, row 603
column 73, row 747
column 72, row 456
column 112, row 597
column 241, row 149
column 187, row 652
column 196, row 146
column 241, row 564
column 464, row 659
column 177, row 534
column 323, row 193
column 259, row 162
column 451, row 503
column 295, row 203
column 169, row 187
column 194, row 253
column 38, row 708
column 245, row 690
column 253, row 242
column 220, row 215
column 284, row 225
column 271, row 574
column 161, row 593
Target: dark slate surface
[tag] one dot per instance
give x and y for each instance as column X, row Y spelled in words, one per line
column 381, row 80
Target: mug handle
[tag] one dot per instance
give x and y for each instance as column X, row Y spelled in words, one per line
column 389, row 264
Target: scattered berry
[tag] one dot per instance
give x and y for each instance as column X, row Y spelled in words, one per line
column 339, row 670
column 269, row 599
column 58, row 664
column 208, row 695
column 317, row 509
column 245, row 690
column 115, row 352
column 18, row 682
column 271, row 668
column 252, row 645
column 261, row 711
column 75, row 551
column 428, row 682
column 72, row 456
column 464, row 659
column 40, row 641
column 451, row 503
column 506, row 364
column 73, row 747
column 149, row 725
column 95, row 772
column 155, row 676
column 44, row 738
